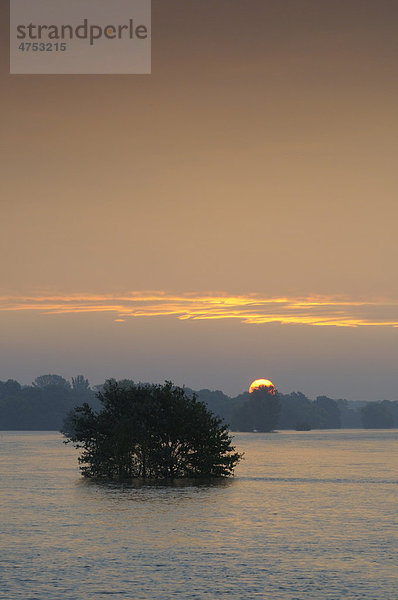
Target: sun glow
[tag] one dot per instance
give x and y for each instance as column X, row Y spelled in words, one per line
column 262, row 383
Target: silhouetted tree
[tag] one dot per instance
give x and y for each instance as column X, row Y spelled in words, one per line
column 217, row 402
column 44, row 381
column 297, row 411
column 350, row 417
column 150, row 431
column 80, row 385
column 260, row 411
column 375, row 415
column 392, row 408
column 327, row 413
column 9, row 388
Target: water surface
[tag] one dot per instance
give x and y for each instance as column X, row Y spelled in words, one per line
column 309, row 515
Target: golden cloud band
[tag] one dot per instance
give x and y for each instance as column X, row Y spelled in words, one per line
column 252, row 309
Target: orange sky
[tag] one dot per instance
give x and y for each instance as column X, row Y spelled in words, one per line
column 259, row 158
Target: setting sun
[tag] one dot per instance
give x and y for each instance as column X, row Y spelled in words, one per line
column 262, row 383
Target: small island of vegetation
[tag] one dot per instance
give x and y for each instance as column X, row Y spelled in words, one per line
column 150, row 432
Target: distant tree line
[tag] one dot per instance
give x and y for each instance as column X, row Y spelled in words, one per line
column 42, row 405
column 45, row 404
column 266, row 412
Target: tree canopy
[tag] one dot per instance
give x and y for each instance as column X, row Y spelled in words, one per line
column 376, row 415
column 260, row 411
column 44, row 381
column 150, row 431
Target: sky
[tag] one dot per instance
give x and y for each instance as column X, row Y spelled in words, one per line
column 231, row 216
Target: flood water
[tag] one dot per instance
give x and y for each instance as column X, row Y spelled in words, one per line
column 309, row 516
